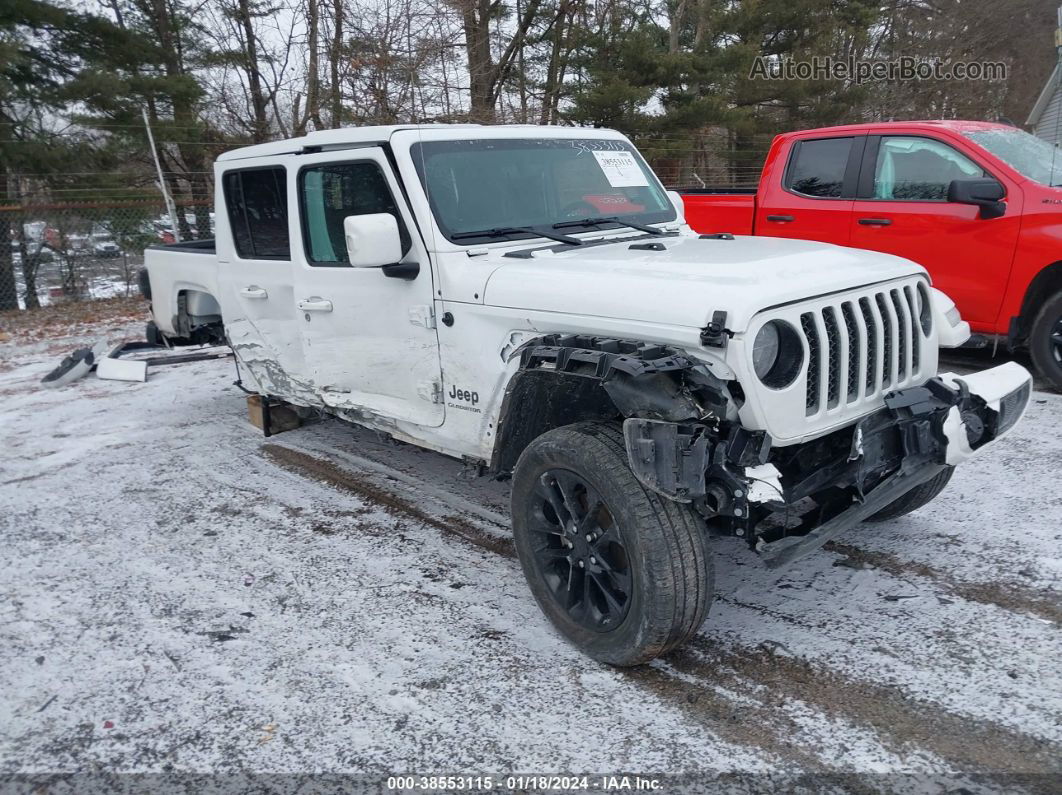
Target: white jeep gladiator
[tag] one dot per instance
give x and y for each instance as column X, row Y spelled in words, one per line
column 530, row 300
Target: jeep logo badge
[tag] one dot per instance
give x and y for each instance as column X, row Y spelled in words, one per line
column 468, row 400
column 464, row 394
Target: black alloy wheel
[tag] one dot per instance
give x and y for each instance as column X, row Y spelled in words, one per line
column 579, row 550
column 623, row 573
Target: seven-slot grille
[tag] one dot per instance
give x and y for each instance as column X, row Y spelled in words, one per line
column 862, row 347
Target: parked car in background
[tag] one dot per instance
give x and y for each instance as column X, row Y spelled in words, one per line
column 978, row 204
column 107, row 249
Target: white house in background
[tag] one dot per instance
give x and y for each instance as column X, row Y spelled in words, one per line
column 1045, row 120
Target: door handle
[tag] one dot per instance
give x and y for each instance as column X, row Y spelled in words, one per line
column 780, row 218
column 253, row 291
column 314, row 305
column 875, row 221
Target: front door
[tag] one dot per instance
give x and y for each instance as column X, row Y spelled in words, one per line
column 903, row 210
column 368, row 338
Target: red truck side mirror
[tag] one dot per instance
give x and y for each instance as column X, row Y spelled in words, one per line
column 984, row 193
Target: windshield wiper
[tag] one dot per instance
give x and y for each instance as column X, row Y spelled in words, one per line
column 610, row 220
column 505, row 231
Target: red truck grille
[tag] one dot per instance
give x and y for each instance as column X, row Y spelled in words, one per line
column 862, row 347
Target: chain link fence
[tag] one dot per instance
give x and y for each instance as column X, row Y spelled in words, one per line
column 713, row 159
column 61, row 252
column 67, row 252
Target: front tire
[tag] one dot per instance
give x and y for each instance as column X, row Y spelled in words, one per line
column 623, row 573
column 920, row 495
column 1045, row 340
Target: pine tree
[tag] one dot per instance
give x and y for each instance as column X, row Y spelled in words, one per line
column 45, row 53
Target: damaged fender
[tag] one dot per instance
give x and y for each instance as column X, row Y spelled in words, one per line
column 568, row 378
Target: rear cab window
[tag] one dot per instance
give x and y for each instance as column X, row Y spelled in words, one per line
column 256, row 201
column 817, row 167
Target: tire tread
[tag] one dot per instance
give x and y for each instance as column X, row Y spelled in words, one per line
column 683, row 553
column 920, row 495
column 1040, row 347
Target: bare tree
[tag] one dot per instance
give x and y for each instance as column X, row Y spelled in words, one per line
column 250, row 65
column 486, row 74
column 559, row 34
column 313, row 77
column 8, row 289
column 335, row 54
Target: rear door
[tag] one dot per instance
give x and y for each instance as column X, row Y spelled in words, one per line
column 255, row 274
column 369, row 339
column 813, row 198
column 903, row 209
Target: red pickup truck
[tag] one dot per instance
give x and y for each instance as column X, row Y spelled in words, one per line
column 978, row 205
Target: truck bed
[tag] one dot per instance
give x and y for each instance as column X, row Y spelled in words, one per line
column 196, row 246
column 188, row 271
column 711, row 210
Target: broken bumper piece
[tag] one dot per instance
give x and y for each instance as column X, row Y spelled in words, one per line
column 1005, row 391
column 940, row 424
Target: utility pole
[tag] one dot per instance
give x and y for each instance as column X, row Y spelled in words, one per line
column 1058, row 32
column 162, row 182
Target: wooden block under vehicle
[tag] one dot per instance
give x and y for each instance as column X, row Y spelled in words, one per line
column 271, row 416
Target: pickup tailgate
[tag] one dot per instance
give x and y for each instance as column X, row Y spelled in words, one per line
column 709, row 211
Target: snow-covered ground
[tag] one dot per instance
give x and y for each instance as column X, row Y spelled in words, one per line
column 179, row 593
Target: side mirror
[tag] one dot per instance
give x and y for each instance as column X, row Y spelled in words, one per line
column 677, row 203
column 372, row 240
column 984, row 193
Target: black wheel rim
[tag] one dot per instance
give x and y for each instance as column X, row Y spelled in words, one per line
column 1056, row 341
column 579, row 551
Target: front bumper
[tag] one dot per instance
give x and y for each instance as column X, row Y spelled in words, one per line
column 937, row 425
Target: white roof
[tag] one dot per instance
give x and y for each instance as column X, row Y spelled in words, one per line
column 353, row 136
column 344, row 136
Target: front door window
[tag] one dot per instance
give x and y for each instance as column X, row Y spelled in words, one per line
column 919, row 169
column 330, row 193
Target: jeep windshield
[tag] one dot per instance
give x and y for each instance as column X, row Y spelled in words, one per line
column 531, row 186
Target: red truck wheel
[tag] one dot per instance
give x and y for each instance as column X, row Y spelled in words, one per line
column 1045, row 341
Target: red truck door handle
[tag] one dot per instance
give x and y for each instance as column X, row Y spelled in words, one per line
column 780, row 218
column 875, row 221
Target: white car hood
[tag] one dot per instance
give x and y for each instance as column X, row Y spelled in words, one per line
column 686, row 283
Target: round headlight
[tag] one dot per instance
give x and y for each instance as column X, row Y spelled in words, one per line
column 777, row 354
column 765, row 349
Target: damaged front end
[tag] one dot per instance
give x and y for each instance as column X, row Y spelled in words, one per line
column 788, row 501
column 685, row 440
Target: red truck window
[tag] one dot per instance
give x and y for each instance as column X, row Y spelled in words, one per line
column 817, row 168
column 912, row 168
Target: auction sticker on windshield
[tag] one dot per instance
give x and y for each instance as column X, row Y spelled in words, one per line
column 621, row 169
